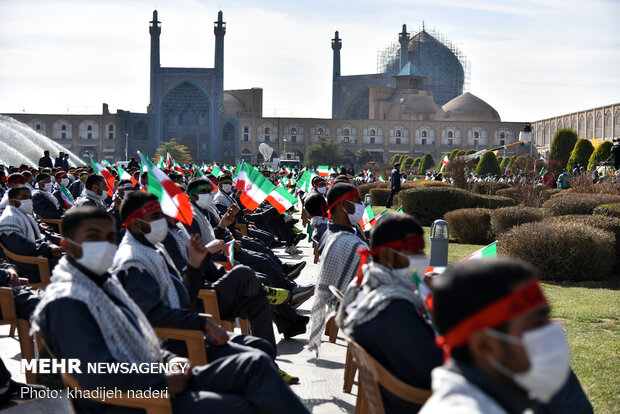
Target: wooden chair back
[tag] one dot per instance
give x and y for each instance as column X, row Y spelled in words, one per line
column 194, row 341
column 373, row 374
column 26, row 341
column 160, row 405
column 243, row 228
column 57, row 222
column 210, row 304
column 41, row 262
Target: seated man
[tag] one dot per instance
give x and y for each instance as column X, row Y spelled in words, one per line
column 25, row 299
column 506, row 354
column 44, row 203
column 319, row 186
column 382, row 313
column 339, row 260
column 95, row 192
column 166, row 295
column 87, row 315
column 316, row 207
column 13, row 180
column 76, row 187
column 20, row 233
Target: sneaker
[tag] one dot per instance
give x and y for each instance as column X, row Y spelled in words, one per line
column 288, row 377
column 294, row 330
column 277, row 296
column 277, row 244
column 19, row 392
column 300, row 294
column 299, row 237
column 293, row 269
column 292, row 250
column 298, row 231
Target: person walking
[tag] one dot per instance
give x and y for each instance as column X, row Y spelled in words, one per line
column 394, row 184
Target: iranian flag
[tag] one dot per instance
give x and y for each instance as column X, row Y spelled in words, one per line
column 487, row 252
column 281, row 199
column 400, row 210
column 169, row 160
column 6, row 172
column 305, row 181
column 100, row 169
column 365, row 221
column 67, row 199
column 173, row 201
column 323, row 170
column 215, row 170
column 381, row 179
column 230, row 251
column 426, row 295
column 256, row 187
column 445, row 161
column 160, row 162
column 124, row 175
column 543, row 171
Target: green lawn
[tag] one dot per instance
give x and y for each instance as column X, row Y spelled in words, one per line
column 590, row 313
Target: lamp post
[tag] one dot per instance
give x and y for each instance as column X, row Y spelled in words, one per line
column 284, row 153
column 126, row 146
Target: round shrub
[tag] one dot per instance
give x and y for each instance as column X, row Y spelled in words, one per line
column 600, row 153
column 503, row 219
column 580, row 154
column 427, row 163
column 489, row 201
column 562, row 145
column 365, row 188
column 488, row 187
column 612, row 210
column 528, row 195
column 504, row 164
column 425, row 183
column 488, row 165
column 379, row 196
column 577, row 203
column 416, row 163
column 562, row 250
column 470, row 225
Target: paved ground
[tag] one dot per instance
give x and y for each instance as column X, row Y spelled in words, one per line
column 320, row 386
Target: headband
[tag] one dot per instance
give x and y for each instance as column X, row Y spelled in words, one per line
column 497, row 313
column 201, row 187
column 349, row 195
column 125, row 186
column 148, row 208
column 410, row 243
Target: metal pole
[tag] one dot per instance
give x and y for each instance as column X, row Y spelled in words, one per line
column 126, row 146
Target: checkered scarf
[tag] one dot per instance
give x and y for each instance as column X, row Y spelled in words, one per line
column 13, row 220
column 132, row 253
column 123, row 340
column 339, row 262
column 206, row 230
column 181, row 236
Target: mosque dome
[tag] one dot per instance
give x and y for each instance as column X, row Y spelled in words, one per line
column 421, row 105
column 468, row 107
column 232, row 104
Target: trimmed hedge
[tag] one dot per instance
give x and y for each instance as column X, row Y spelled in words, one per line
column 488, row 187
column 562, row 145
column 600, row 153
column 365, row 188
column 503, row 219
column 577, row 203
column 529, row 196
column 429, row 203
column 379, row 196
column 470, row 225
column 580, row 154
column 488, row 165
column 562, row 250
column 612, row 210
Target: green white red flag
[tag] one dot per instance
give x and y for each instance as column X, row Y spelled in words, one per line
column 215, row 170
column 124, row 175
column 381, row 179
column 374, row 220
column 323, row 170
column 254, row 185
column 487, row 252
column 67, row 198
column 173, row 201
column 365, row 221
column 444, row 162
column 281, row 199
column 169, row 160
column 230, row 250
column 426, row 295
column 100, row 169
column 305, row 181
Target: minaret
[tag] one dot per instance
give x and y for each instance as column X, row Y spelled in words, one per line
column 336, row 46
column 403, row 39
column 219, row 28
column 155, row 31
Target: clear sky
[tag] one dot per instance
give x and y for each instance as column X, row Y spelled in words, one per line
column 530, row 59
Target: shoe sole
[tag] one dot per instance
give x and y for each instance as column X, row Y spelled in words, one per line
column 295, row 273
column 296, row 301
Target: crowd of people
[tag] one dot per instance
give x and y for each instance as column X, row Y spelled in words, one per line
column 122, row 268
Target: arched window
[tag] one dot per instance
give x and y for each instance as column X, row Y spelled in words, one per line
column 319, row 131
column 399, row 133
column 346, row 131
column 294, row 131
column 502, row 135
column 246, row 137
column 246, row 130
column 63, row 127
column 228, row 132
column 267, row 130
column 450, row 134
column 425, row 134
column 37, row 127
column 373, row 132
column 476, row 134
column 89, row 128
column 110, row 128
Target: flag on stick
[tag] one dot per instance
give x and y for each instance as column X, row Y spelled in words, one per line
column 67, row 198
column 230, row 263
column 323, row 170
column 305, row 181
column 281, row 199
column 100, row 169
column 124, row 175
column 487, row 252
column 256, row 187
column 365, row 221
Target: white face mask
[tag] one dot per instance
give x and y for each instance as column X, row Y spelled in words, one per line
column 357, row 214
column 47, row 187
column 417, row 264
column 64, row 181
column 96, row 256
column 549, row 355
column 26, row 206
column 159, row 230
column 204, row 200
column 321, row 190
column 226, row 188
column 103, row 196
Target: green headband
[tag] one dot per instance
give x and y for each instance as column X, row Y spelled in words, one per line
column 200, row 187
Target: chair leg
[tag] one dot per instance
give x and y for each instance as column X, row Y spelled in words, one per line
column 360, row 403
column 350, row 368
column 333, row 332
column 328, row 326
column 26, row 344
column 244, row 324
column 12, row 331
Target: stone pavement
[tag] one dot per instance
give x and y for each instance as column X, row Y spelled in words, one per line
column 320, row 384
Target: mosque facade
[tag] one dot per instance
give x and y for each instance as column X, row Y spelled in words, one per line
column 414, row 105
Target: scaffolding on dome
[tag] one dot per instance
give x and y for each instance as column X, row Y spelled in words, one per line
column 388, row 60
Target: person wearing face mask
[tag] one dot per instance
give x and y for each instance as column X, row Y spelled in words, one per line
column 44, row 203
column 319, row 186
column 76, row 187
column 20, row 233
column 339, row 259
column 87, row 315
column 383, row 314
column 95, row 192
column 506, row 356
